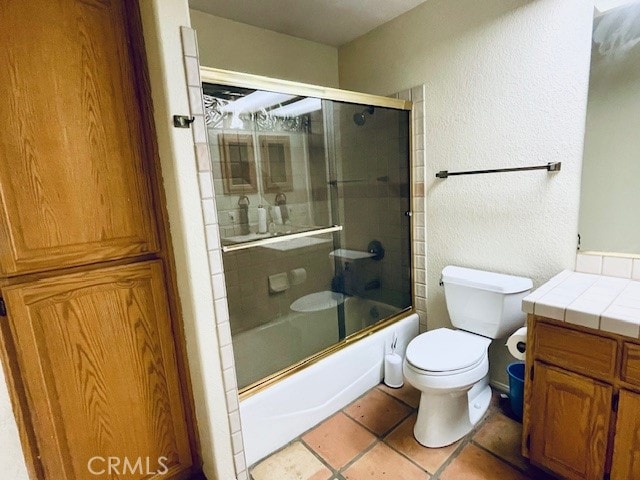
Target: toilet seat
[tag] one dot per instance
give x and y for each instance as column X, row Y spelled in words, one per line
column 446, row 352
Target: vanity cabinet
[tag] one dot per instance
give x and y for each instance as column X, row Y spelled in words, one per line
column 626, row 446
column 582, row 401
column 569, row 436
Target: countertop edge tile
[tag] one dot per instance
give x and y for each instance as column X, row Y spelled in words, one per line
column 620, row 326
column 599, row 302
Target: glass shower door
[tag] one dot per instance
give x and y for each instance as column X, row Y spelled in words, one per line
column 310, row 202
column 370, row 196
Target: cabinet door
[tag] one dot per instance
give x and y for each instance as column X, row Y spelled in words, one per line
column 626, row 448
column 74, row 182
column 96, row 356
column 569, row 423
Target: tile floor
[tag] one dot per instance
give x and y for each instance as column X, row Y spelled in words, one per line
column 372, row 439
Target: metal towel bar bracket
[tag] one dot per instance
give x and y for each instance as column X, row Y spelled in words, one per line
column 550, row 167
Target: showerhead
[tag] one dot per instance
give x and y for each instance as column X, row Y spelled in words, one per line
column 359, row 119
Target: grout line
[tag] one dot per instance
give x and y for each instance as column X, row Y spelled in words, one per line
column 317, row 455
column 360, row 455
column 493, row 454
column 463, row 443
column 394, row 397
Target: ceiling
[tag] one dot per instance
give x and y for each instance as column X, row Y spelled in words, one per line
column 332, row 22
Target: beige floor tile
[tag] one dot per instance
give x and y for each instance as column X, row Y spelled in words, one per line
column 473, row 463
column 383, row 463
column 408, row 394
column 378, row 411
column 402, row 440
column 339, row 440
column 295, row 462
column 503, row 436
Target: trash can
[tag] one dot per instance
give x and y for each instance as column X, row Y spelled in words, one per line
column 516, row 387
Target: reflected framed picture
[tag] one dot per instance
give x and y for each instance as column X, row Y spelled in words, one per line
column 238, row 163
column 275, row 154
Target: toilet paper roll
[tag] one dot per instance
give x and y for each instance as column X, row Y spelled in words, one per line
column 517, row 343
column 297, row 276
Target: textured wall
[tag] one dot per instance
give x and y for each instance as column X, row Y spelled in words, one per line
column 244, row 48
column 506, row 85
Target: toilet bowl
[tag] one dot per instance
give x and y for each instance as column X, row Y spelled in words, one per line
column 450, row 366
column 446, row 365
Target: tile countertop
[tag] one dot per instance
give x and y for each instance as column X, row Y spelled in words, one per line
column 604, row 303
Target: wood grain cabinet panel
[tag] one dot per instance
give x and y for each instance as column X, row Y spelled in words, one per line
column 626, row 447
column 631, row 363
column 97, row 359
column 569, row 423
column 74, row 182
column 582, row 352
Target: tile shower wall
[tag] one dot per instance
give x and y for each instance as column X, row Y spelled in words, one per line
column 208, row 175
column 205, row 179
column 418, row 200
column 375, row 196
column 250, row 300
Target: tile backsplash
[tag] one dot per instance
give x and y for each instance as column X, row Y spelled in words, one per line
column 609, row 264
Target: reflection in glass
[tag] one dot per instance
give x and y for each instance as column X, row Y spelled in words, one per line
column 316, row 167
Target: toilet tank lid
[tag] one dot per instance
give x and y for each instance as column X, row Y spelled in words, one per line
column 480, row 279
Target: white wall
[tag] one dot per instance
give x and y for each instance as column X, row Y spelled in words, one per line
column 244, row 48
column 11, row 457
column 161, row 24
column 506, row 85
column 610, row 194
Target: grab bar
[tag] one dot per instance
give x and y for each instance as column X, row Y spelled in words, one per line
column 551, row 167
column 280, row 238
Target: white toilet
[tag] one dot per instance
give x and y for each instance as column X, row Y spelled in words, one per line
column 450, row 367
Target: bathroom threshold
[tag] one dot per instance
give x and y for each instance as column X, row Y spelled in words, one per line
column 372, row 438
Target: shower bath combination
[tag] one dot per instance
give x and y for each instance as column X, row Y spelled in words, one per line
column 346, row 191
column 305, row 159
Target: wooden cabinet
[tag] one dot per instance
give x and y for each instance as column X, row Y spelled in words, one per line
column 92, row 340
column 626, row 447
column 75, row 182
column 570, row 436
column 582, row 402
column 98, row 361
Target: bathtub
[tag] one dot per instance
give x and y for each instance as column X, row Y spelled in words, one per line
column 278, row 414
column 269, row 348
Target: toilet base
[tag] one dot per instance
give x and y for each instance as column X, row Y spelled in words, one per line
column 445, row 418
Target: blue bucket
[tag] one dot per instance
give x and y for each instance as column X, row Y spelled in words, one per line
column 516, row 387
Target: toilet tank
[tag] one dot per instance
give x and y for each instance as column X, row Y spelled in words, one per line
column 486, row 303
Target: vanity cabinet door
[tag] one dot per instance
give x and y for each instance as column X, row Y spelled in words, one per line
column 569, row 423
column 97, row 360
column 626, row 447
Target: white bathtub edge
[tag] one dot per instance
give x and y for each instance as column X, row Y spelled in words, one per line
column 272, row 418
